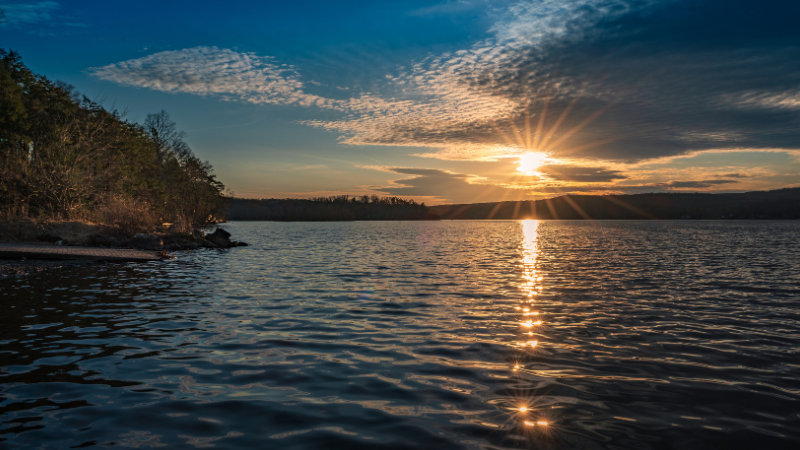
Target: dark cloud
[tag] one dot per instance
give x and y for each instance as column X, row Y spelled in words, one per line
column 694, row 184
column 618, row 80
column 450, row 187
column 666, row 79
column 447, row 186
column 733, row 175
column 563, row 172
column 615, row 80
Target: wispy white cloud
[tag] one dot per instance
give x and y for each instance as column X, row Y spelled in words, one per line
column 20, row 14
column 427, row 110
column 312, row 167
column 788, row 100
column 618, row 87
column 526, row 22
column 450, row 7
column 447, row 102
column 213, row 71
column 440, row 102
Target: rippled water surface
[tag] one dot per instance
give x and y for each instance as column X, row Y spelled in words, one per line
column 618, row 335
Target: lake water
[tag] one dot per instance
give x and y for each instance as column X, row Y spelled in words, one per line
column 447, row 335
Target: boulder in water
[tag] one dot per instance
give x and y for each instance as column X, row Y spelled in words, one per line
column 220, row 237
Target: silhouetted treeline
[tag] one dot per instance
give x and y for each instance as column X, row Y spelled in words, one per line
column 777, row 204
column 63, row 156
column 341, row 207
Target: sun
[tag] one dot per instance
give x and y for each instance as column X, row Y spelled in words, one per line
column 529, row 162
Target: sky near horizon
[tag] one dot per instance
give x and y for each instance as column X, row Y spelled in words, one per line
column 455, row 101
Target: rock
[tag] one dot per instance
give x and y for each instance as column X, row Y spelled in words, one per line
column 48, row 237
column 209, row 244
column 186, row 244
column 220, row 237
column 99, row 240
column 118, row 242
column 146, row 242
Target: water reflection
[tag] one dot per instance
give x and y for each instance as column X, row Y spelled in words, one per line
column 530, row 253
column 528, row 408
column 531, row 285
column 416, row 335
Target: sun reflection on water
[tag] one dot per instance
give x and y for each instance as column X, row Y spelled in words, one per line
column 526, row 413
column 531, row 284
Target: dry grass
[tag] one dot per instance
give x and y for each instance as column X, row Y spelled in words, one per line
column 38, row 230
column 129, row 216
column 114, row 216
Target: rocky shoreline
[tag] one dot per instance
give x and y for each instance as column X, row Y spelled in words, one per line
column 103, row 236
column 163, row 241
column 148, row 241
column 160, row 242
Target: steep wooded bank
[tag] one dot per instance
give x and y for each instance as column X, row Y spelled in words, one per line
column 342, row 207
column 777, row 204
column 65, row 157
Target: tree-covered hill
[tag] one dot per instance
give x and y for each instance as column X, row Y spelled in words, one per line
column 777, row 204
column 341, row 207
column 65, row 157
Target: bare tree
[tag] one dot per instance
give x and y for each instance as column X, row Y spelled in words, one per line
column 168, row 139
column 193, row 192
column 61, row 157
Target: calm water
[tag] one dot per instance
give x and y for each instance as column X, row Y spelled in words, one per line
column 617, row 335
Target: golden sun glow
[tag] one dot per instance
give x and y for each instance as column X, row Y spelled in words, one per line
column 530, row 162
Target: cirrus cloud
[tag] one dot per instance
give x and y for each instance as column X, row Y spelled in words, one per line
column 213, row 71
column 603, row 80
column 17, row 14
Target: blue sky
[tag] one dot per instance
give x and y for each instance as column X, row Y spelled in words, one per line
column 445, row 101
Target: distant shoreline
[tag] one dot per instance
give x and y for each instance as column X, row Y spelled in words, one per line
column 781, row 204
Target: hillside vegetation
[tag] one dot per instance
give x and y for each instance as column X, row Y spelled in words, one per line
column 341, row 207
column 64, row 157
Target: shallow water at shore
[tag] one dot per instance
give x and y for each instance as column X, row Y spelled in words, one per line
column 632, row 335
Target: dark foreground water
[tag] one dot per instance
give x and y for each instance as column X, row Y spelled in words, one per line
column 617, row 335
